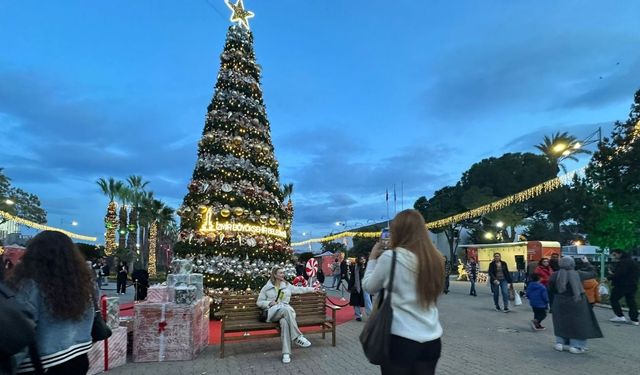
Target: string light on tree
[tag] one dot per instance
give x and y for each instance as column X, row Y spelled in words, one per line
column 153, row 237
column 234, row 221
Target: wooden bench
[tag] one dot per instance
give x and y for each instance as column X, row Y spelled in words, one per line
column 240, row 314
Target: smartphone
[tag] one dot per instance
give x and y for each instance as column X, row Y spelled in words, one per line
column 384, row 235
column 384, row 238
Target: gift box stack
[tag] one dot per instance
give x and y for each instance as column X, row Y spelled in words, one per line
column 112, row 352
column 173, row 323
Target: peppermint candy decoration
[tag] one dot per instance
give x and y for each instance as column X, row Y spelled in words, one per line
column 299, row 281
column 316, row 285
column 312, row 267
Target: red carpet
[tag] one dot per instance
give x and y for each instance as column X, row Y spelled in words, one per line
column 343, row 315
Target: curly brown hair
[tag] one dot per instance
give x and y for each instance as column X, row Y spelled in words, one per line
column 56, row 265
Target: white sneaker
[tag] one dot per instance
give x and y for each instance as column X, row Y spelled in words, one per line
column 635, row 323
column 286, row 358
column 558, row 347
column 302, row 341
column 618, row 319
column 574, row 350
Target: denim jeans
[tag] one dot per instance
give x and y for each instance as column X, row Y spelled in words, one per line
column 575, row 343
column 504, row 287
column 472, row 291
column 368, row 305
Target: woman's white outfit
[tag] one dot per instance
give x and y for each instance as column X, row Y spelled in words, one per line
column 410, row 319
column 282, row 311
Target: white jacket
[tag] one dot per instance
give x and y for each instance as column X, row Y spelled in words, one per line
column 410, row 319
column 268, row 294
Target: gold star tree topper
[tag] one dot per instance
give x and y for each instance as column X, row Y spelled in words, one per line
column 239, row 15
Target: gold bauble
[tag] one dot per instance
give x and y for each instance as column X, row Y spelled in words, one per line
column 258, row 212
column 238, row 211
column 263, row 219
column 273, row 221
column 237, row 139
column 225, row 212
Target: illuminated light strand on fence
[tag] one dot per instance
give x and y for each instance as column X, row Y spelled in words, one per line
column 34, row 225
column 520, row 197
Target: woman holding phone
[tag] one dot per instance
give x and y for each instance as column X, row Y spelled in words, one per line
column 274, row 297
column 418, row 282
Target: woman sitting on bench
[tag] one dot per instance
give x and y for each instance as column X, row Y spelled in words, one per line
column 274, row 298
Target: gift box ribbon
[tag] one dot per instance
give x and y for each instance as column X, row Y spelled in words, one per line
column 103, row 301
column 162, row 325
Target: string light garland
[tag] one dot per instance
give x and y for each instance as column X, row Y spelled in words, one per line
column 498, row 205
column 34, row 225
column 153, row 235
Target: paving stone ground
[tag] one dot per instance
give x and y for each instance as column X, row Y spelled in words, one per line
column 477, row 340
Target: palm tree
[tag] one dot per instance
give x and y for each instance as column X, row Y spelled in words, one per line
column 110, row 188
column 559, row 147
column 158, row 216
column 287, row 191
column 124, row 196
column 136, row 186
column 145, row 218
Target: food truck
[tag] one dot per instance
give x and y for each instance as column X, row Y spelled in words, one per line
column 519, row 256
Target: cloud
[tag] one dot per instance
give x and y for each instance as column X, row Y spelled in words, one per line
column 545, row 71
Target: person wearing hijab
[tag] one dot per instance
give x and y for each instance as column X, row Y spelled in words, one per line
column 573, row 319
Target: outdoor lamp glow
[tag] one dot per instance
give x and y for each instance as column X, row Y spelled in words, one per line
column 488, row 235
column 566, row 152
column 9, row 202
column 577, row 145
column 499, row 224
column 559, row 147
column 74, row 223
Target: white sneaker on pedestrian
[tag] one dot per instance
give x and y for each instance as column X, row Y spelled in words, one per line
column 618, row 319
column 302, row 341
column 286, row 358
column 635, row 323
column 574, row 350
column 558, row 347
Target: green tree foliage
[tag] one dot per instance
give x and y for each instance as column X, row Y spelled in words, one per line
column 25, row 205
column 613, row 180
column 362, row 246
column 445, row 202
column 495, row 178
column 334, row 247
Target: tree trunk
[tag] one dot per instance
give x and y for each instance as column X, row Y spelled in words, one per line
column 122, row 231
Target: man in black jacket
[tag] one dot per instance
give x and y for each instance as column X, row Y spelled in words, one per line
column 499, row 276
column 624, row 279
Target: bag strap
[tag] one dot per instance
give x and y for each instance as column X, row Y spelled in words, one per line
column 393, row 271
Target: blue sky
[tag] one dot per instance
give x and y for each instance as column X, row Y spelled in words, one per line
column 361, row 95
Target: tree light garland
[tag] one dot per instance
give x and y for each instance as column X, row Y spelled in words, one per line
column 520, row 197
column 153, row 236
column 34, row 225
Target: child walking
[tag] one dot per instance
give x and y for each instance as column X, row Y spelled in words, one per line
column 539, row 301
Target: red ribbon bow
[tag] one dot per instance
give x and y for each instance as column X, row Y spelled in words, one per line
column 162, row 326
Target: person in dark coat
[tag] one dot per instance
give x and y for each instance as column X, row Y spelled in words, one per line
column 624, row 279
column 141, row 281
column 121, row 287
column 499, row 277
column 344, row 271
column 447, row 274
column 573, row 319
column 355, row 288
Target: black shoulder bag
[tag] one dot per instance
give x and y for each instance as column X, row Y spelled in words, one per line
column 376, row 334
column 99, row 330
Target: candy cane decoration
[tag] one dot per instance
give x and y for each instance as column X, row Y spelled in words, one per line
column 316, row 285
column 299, row 281
column 312, row 267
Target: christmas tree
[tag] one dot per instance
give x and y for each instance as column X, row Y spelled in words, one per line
column 234, row 223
